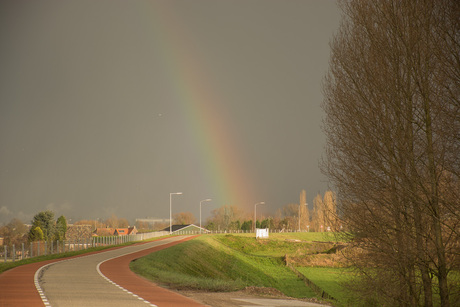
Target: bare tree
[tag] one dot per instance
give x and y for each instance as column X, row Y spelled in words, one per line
column 113, row 221
column 318, row 214
column 330, row 211
column 392, row 125
column 290, row 213
column 225, row 217
column 184, row 218
column 14, row 233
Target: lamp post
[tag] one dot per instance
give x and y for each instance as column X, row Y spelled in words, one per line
column 209, row 199
column 170, row 209
column 255, row 216
column 299, row 213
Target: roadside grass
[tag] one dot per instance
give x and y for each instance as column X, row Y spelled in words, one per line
column 306, row 236
column 205, row 263
column 302, row 236
column 331, row 280
column 4, row 266
column 277, row 245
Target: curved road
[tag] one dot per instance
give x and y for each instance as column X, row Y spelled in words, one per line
column 104, row 279
column 95, row 279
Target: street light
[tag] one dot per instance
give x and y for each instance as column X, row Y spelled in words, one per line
column 209, row 199
column 255, row 208
column 170, row 210
column 299, row 213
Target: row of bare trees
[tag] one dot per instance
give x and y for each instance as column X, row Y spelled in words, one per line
column 392, row 103
column 298, row 217
column 293, row 217
column 112, row 222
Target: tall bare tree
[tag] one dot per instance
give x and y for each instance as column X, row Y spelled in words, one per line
column 318, row 214
column 393, row 141
column 330, row 210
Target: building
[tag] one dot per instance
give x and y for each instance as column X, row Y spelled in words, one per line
column 107, row 232
column 125, row 231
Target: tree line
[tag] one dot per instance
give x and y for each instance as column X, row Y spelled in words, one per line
column 292, row 217
column 45, row 227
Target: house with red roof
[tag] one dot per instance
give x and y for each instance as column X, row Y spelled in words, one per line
column 106, row 232
column 125, row 231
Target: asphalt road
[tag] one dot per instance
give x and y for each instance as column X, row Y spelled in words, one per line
column 80, row 282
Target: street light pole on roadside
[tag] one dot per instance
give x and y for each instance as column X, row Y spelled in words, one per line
column 255, row 216
column 170, row 209
column 209, row 199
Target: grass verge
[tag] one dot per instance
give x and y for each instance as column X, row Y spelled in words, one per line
column 330, row 280
column 205, row 263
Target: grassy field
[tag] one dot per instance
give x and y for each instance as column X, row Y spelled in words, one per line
column 232, row 262
column 330, row 280
column 302, row 236
column 279, row 244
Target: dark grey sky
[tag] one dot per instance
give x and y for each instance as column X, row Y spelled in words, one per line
column 108, row 106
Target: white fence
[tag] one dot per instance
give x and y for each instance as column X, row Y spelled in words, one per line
column 40, row 248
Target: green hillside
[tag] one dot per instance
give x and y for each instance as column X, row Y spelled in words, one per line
column 229, row 263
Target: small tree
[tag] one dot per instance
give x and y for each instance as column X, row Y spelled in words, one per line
column 36, row 234
column 61, row 228
column 267, row 223
column 45, row 220
column 247, row 225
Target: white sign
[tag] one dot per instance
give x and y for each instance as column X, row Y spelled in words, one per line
column 261, row 233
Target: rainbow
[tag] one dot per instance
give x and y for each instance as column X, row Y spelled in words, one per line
column 225, row 170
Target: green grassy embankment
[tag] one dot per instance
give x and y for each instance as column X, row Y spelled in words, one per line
column 206, row 264
column 330, row 280
column 232, row 262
